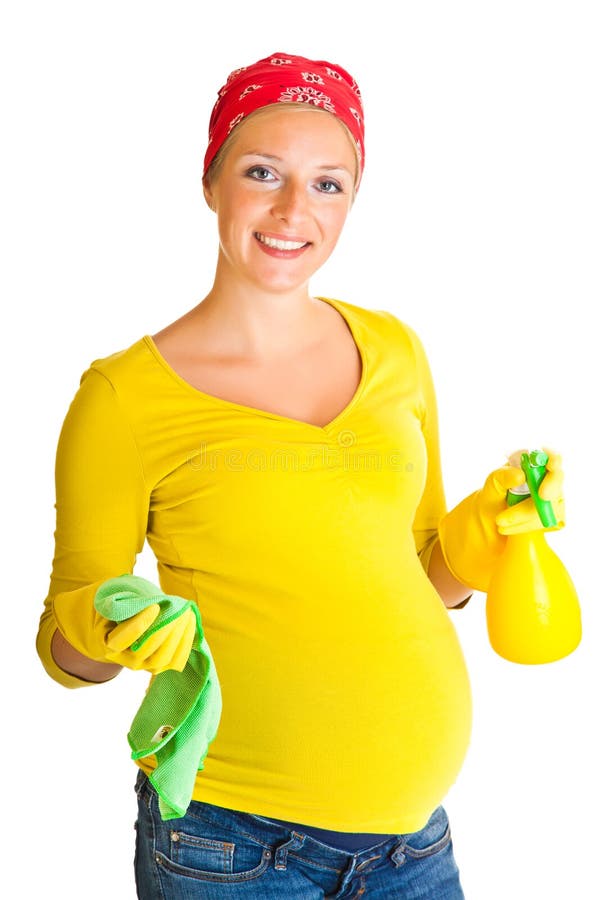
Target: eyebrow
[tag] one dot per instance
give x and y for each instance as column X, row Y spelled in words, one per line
column 279, row 159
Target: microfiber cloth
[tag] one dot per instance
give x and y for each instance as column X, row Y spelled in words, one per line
column 181, row 711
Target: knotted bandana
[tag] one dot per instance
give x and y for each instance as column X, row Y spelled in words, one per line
column 284, row 78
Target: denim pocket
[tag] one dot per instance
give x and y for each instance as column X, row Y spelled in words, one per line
column 435, row 836
column 207, row 858
column 196, row 848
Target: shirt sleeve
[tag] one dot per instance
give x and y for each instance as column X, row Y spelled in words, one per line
column 432, row 505
column 102, row 505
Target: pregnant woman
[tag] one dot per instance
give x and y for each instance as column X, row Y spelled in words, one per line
column 279, row 451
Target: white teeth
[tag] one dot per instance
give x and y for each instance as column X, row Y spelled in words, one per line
column 278, row 245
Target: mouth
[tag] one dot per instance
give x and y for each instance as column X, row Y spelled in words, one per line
column 279, row 246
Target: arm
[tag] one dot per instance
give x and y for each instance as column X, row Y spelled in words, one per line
column 432, row 505
column 82, row 667
column 454, row 593
column 101, row 516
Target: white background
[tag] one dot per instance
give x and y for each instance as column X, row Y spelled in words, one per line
column 477, row 223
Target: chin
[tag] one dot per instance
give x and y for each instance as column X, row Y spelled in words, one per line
column 278, row 283
column 278, row 287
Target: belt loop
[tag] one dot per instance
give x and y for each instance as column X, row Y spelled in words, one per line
column 397, row 855
column 295, row 842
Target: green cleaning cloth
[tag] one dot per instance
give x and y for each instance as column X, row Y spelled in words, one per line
column 181, row 711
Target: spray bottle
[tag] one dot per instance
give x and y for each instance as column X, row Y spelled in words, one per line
column 532, row 610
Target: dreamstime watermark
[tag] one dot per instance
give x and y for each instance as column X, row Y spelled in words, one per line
column 347, row 455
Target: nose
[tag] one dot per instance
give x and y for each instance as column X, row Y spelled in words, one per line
column 291, row 202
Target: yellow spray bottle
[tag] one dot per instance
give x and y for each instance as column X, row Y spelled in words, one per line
column 532, row 610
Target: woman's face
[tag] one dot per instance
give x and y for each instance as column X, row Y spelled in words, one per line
column 288, row 176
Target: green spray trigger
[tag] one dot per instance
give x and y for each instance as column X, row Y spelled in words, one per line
column 534, row 467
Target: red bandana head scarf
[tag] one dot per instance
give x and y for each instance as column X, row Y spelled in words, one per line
column 284, row 78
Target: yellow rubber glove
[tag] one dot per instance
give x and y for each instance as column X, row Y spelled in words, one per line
column 473, row 534
column 168, row 648
column 104, row 641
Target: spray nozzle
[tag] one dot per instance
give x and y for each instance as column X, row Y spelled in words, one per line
column 533, row 464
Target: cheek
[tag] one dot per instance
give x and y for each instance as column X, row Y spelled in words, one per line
column 246, row 209
column 236, row 218
column 334, row 220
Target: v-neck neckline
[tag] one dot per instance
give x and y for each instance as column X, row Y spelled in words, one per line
column 263, row 412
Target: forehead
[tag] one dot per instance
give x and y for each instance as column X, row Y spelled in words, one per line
column 291, row 122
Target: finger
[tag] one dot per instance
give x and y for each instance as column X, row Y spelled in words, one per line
column 503, row 479
column 163, row 656
column 125, row 658
column 520, row 518
column 554, row 459
column 122, row 636
column 182, row 653
column 170, row 632
column 554, row 462
column 524, row 517
column 551, row 487
column 514, row 459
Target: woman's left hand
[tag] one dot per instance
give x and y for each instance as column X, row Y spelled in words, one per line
column 523, row 516
column 473, row 534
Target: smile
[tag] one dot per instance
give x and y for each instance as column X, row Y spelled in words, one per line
column 279, row 244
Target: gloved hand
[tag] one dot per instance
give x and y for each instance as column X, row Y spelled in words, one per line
column 167, row 648
column 101, row 639
column 473, row 534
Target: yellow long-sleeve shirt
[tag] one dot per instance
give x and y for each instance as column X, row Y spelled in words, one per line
column 346, row 701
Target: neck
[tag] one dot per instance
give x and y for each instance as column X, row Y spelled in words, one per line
column 253, row 323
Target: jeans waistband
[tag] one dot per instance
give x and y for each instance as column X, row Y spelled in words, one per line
column 350, row 841
column 283, row 838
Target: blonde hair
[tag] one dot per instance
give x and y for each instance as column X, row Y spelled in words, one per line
column 213, row 171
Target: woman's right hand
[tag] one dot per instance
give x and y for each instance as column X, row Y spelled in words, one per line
column 167, row 648
column 100, row 639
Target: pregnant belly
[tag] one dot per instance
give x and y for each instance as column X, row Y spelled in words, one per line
column 342, row 726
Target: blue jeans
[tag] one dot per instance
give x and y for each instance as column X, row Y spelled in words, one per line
column 213, row 852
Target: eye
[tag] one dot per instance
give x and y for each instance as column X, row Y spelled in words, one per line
column 259, row 173
column 327, row 186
